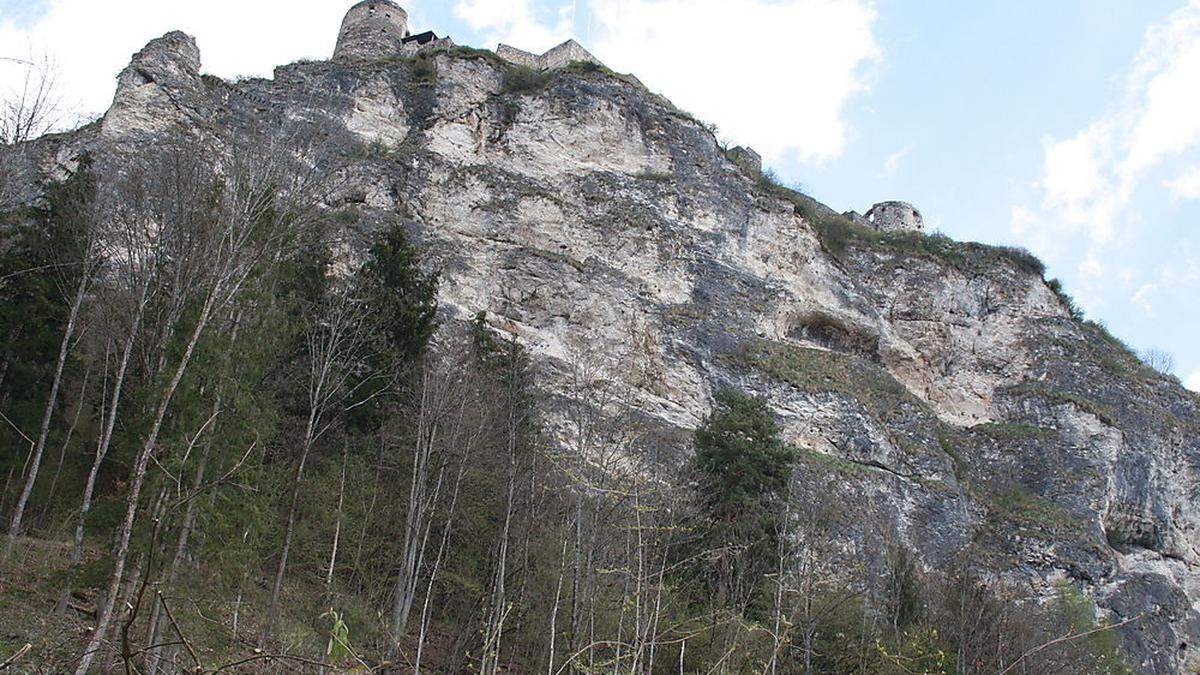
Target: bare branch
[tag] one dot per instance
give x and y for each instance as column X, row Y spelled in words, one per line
column 1069, row 637
column 12, row 660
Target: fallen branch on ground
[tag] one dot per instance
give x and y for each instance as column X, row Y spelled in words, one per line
column 12, row 660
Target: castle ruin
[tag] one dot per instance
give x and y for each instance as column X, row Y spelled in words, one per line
column 896, row 217
column 378, row 29
column 890, row 217
column 557, row 57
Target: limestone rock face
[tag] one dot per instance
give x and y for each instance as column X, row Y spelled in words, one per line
column 947, row 388
column 153, row 89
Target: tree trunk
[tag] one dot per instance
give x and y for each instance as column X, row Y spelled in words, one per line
column 337, row 527
column 155, row 630
column 495, row 628
column 415, row 527
column 137, row 478
column 281, row 568
column 108, row 424
column 14, row 526
column 62, row 452
column 437, row 563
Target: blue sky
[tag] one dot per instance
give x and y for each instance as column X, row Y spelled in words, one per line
column 1071, row 127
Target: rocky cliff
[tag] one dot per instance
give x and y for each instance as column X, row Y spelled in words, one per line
column 943, row 384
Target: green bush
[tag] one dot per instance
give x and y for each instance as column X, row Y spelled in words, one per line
column 743, row 471
column 1067, row 301
column 585, row 67
column 1023, row 259
column 655, row 176
column 524, row 80
column 424, row 69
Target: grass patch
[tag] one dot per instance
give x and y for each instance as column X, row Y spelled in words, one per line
column 820, row 370
column 831, row 462
column 555, row 257
column 473, row 54
column 1067, row 301
column 587, row 67
column 655, row 176
column 1012, row 430
column 1019, row 506
column 1102, row 412
column 347, row 216
column 424, row 69
column 525, row 80
column 380, row 149
column 685, row 313
column 956, row 458
column 838, row 234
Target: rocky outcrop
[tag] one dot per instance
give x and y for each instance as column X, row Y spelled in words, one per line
column 944, row 384
column 156, row 91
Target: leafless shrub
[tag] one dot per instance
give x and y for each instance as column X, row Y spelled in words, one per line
column 28, row 109
column 1163, row 362
column 31, row 107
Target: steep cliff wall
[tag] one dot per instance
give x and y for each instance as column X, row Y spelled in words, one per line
column 945, row 384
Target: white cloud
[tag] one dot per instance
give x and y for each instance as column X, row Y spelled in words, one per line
column 92, row 41
column 1166, row 73
column 1193, row 381
column 1186, row 186
column 1030, row 226
column 1090, row 179
column 514, row 22
column 1075, row 185
column 1141, row 298
column 892, row 163
column 771, row 74
column 1091, row 266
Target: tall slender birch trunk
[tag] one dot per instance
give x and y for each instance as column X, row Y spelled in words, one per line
column 14, row 525
column 137, row 478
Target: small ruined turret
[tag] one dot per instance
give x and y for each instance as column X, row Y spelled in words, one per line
column 895, row 217
column 372, row 29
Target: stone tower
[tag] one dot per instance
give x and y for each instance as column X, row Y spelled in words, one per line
column 895, row 217
column 372, row 29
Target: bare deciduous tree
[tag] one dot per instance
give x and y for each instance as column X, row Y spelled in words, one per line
column 27, row 110
column 260, row 201
column 76, row 214
column 32, row 107
column 334, row 345
column 1162, row 361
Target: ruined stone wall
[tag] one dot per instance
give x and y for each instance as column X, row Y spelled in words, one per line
column 518, row 56
column 896, row 217
column 558, row 57
column 565, row 53
column 412, row 48
column 746, row 158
